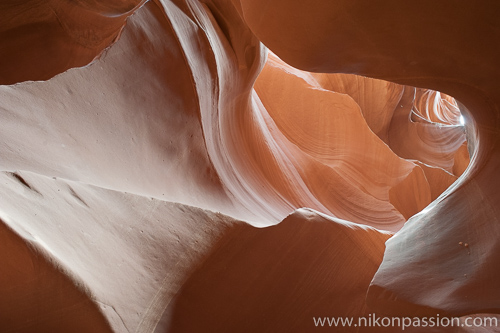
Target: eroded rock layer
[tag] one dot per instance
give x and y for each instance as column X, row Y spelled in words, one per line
column 165, row 180
column 432, row 45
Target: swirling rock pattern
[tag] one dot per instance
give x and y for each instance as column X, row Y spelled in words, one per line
column 160, row 187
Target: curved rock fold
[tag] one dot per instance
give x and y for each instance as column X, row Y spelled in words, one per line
column 164, row 168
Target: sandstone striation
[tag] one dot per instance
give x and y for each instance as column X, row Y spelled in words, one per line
column 245, row 166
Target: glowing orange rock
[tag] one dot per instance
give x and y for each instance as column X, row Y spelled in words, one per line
column 426, row 45
column 111, row 173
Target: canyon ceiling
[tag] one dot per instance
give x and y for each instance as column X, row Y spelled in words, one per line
column 247, row 165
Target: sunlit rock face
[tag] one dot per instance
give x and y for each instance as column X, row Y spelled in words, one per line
column 347, row 140
column 187, row 179
column 433, row 45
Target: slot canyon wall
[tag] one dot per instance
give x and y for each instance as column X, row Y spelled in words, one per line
column 247, row 166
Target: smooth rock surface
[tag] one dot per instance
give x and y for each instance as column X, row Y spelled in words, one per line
column 155, row 159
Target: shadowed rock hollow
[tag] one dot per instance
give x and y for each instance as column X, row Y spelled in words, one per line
column 164, row 168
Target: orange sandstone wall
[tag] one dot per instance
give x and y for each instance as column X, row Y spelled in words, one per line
column 156, row 158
